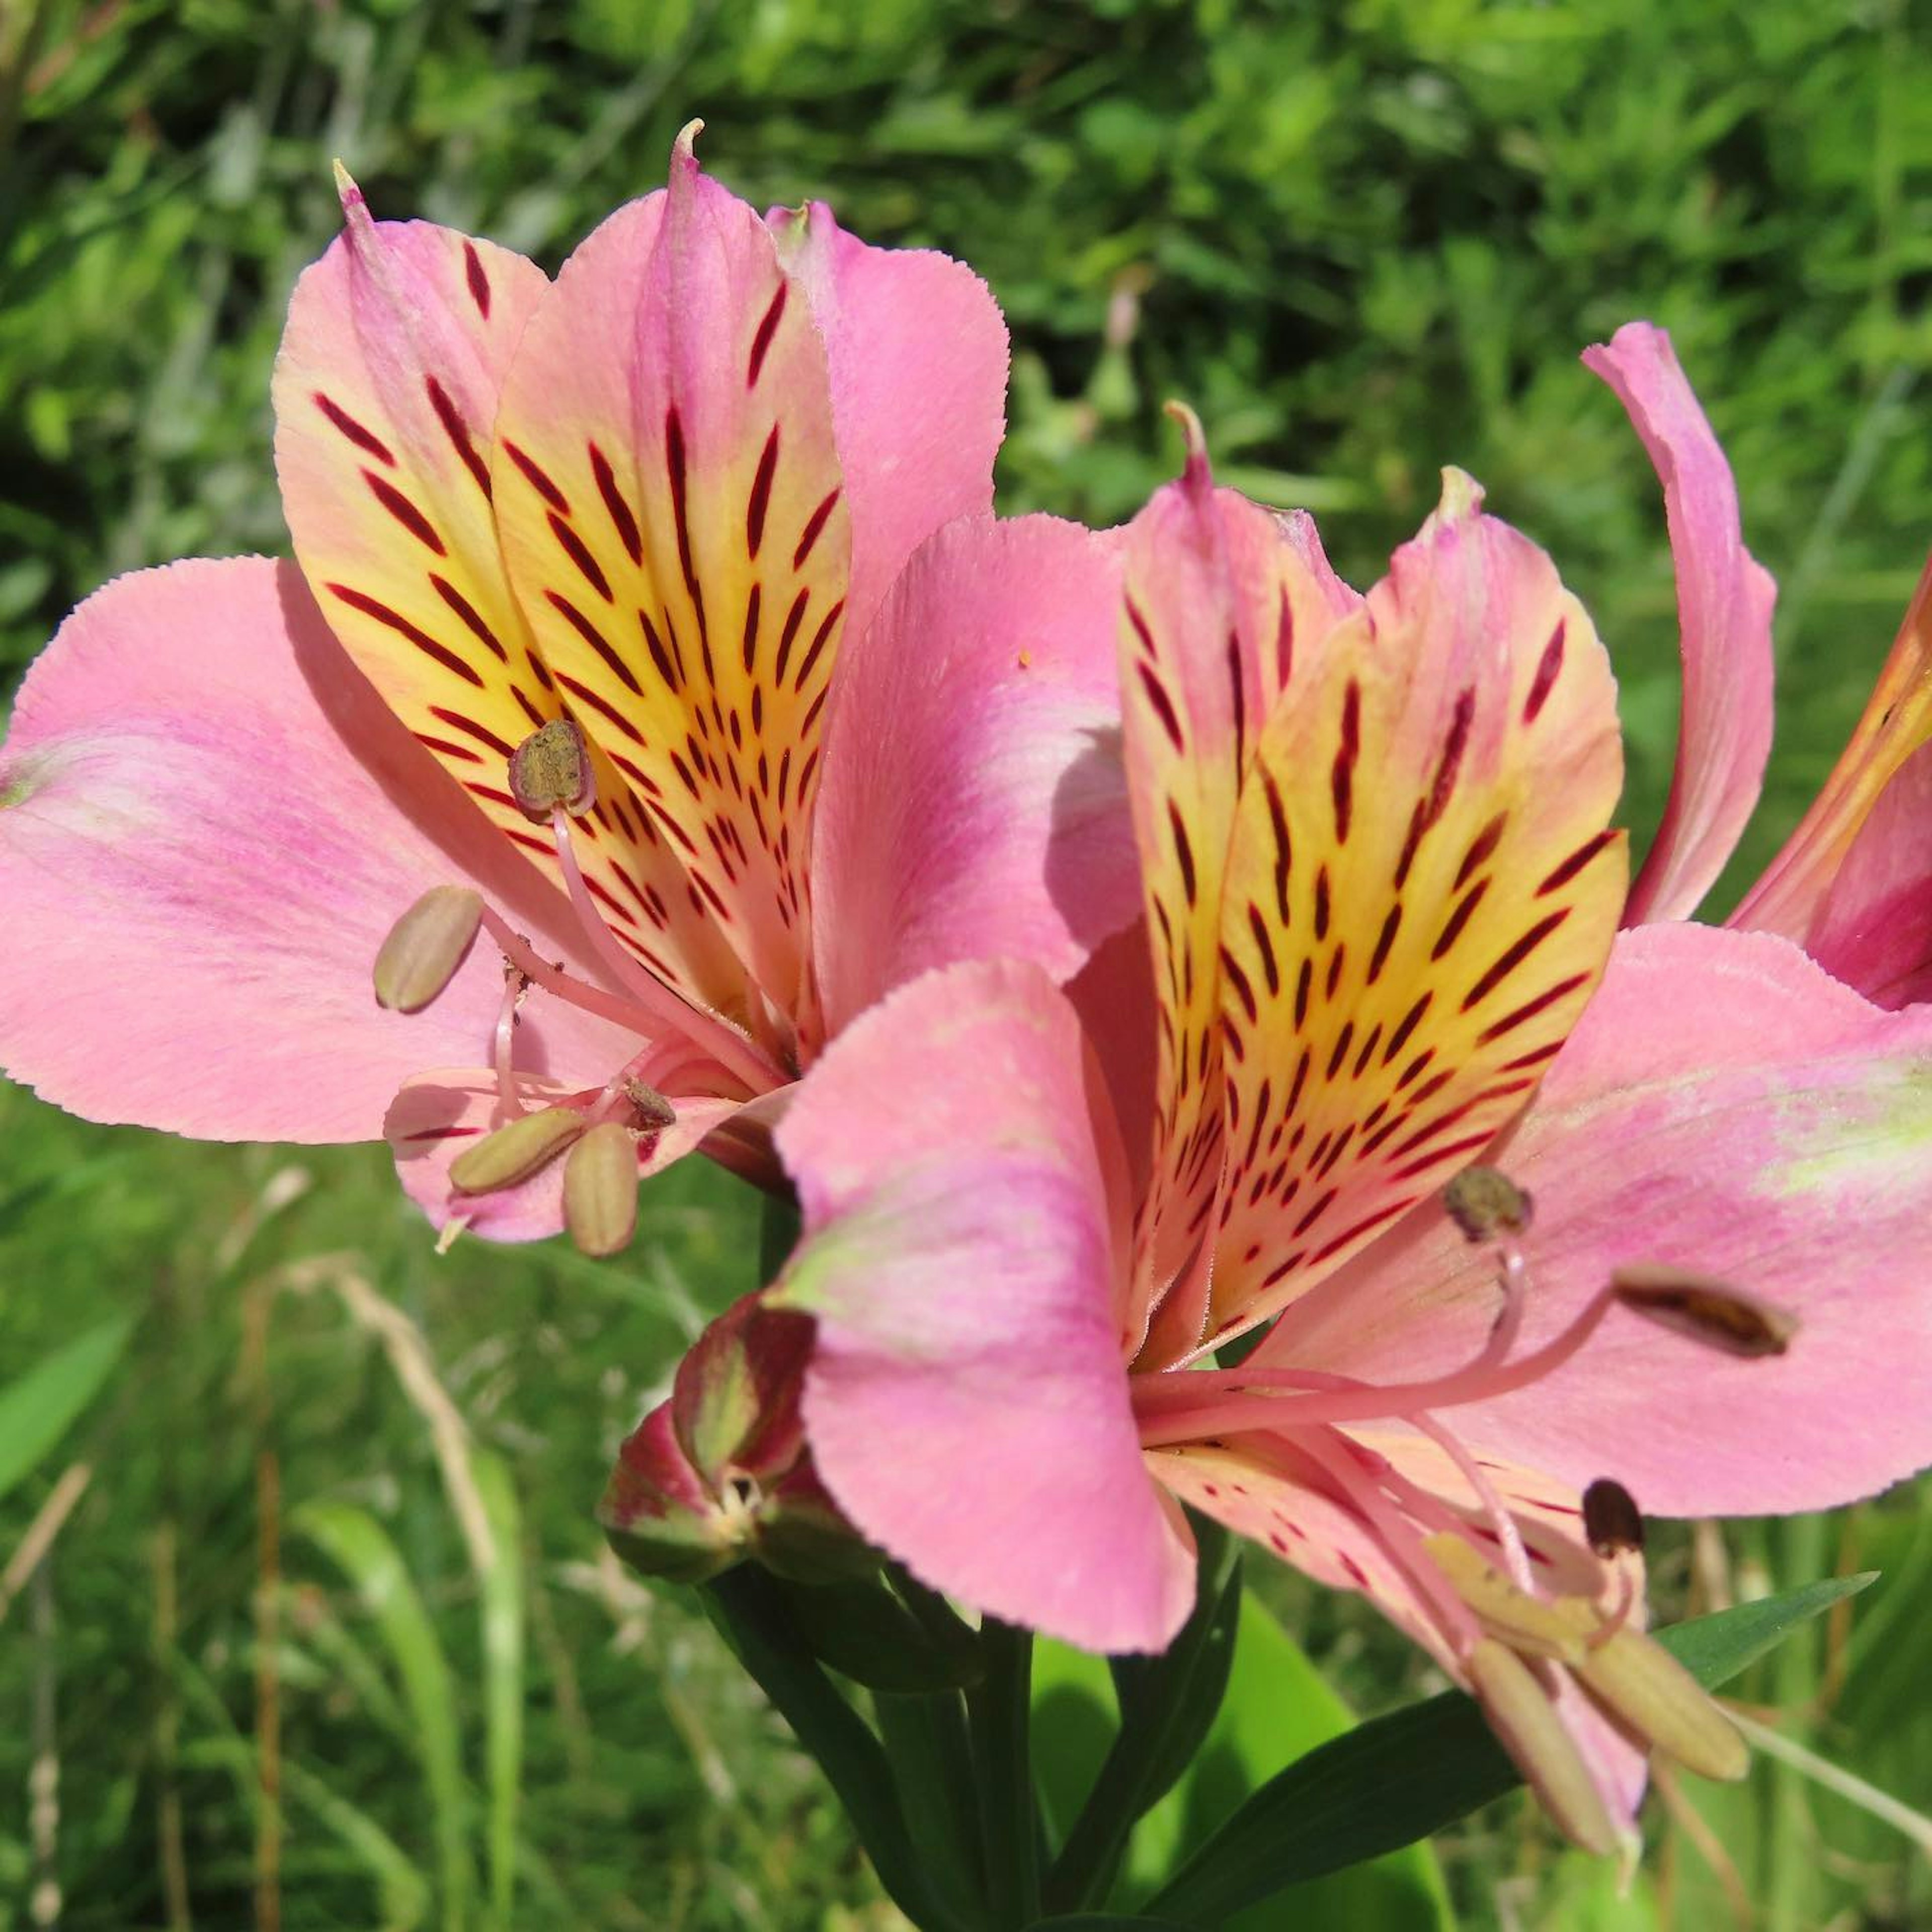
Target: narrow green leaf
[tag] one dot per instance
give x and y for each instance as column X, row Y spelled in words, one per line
column 37, row 1408
column 362, row 1549
column 864, row 1632
column 502, row 1606
column 1279, row 1706
column 1106, row 1922
column 1396, row 1779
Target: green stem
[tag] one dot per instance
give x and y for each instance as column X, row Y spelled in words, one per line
column 930, row 1748
column 1000, row 1709
column 749, row 1613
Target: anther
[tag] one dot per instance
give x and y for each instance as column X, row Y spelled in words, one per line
column 600, row 1190
column 1486, row 1204
column 1637, row 1680
column 1525, row 1622
column 1705, row 1309
column 426, row 947
column 551, row 768
column 1612, row 1521
column 1518, row 1705
column 653, row 1112
column 513, row 1153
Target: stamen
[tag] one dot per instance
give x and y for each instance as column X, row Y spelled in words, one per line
column 516, row 984
column 1612, row 1521
column 600, row 1190
column 515, row 1153
column 668, row 1011
column 426, row 947
column 551, row 771
column 1520, row 1710
column 1485, row 1203
column 1705, row 1309
column 1178, row 1408
column 1509, row 1538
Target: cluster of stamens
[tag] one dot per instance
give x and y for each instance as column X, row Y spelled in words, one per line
column 1516, row 1641
column 599, row 1138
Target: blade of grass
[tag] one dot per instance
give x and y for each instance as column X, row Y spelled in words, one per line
column 362, row 1549
column 37, row 1408
column 502, row 1585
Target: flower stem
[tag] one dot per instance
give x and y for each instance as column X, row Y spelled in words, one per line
column 999, row 1709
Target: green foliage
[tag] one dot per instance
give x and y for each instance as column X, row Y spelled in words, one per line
column 1365, row 239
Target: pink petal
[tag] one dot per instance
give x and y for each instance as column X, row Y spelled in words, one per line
column 438, row 1114
column 1724, row 600
column 918, row 356
column 968, row 1405
column 1896, row 720
column 973, row 804
column 1873, row 929
column 209, row 823
column 1725, row 1107
column 672, row 516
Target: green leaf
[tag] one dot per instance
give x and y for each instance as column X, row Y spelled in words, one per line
column 864, row 1632
column 362, row 1549
column 1395, row 1780
column 1278, row 1707
column 37, row 1408
column 1106, row 1922
column 502, row 1590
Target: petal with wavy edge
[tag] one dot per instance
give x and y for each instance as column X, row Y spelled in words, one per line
column 1222, row 606
column 437, row 1114
column 1724, row 601
column 1790, row 898
column 209, row 823
column 385, row 391
column 973, row 805
column 967, row 1403
column 1725, row 1107
column 1873, row 929
column 1421, row 893
column 917, row 353
column 673, row 518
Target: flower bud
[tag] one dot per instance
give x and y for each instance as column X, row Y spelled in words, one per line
column 721, row 1471
column 426, row 946
column 513, row 1153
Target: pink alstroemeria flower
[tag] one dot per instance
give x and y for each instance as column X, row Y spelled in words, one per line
column 1382, row 896
column 720, row 495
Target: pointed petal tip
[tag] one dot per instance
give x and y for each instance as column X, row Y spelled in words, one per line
column 1462, row 496
column 355, row 203
column 1197, row 475
column 684, row 149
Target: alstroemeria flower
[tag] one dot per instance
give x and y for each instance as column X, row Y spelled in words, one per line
column 1382, row 894
column 720, row 498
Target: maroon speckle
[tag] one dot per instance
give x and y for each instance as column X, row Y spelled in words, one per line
column 573, row 547
column 363, row 439
column 595, row 638
column 538, row 479
column 1452, row 930
column 760, row 499
column 817, row 645
column 1485, row 843
column 1529, row 1010
column 1508, row 961
column 814, row 525
column 404, row 511
column 472, row 618
column 1183, row 851
column 1547, row 666
column 1410, row 1020
column 1575, row 863
column 479, row 282
column 618, row 510
column 457, row 431
column 1163, row 705
column 1391, row 925
column 768, row 327
column 371, row 607
column 481, row 733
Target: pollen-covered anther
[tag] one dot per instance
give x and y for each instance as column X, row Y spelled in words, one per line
column 1486, row 1204
column 513, row 1153
column 551, row 768
column 427, row 947
column 600, row 1190
column 1705, row 1309
column 1524, row 1622
column 651, row 1112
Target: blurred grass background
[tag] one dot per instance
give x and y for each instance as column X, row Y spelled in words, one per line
column 1365, row 239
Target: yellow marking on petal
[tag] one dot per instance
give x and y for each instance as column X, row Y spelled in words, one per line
column 1422, row 889
column 672, row 515
column 385, row 391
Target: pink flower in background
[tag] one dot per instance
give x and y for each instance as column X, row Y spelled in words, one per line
column 1382, row 897
column 719, row 495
